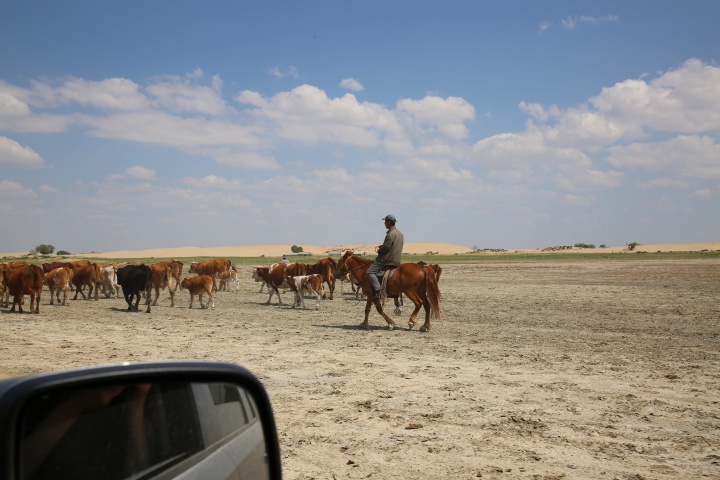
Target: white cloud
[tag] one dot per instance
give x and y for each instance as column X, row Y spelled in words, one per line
column 108, row 94
column 278, row 72
column 573, row 21
column 685, row 156
column 141, row 173
column 664, row 182
column 446, row 116
column 544, row 26
column 10, row 190
column 182, row 95
column 703, row 193
column 351, row 84
column 12, row 154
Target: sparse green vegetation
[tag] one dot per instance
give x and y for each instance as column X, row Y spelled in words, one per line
column 296, row 249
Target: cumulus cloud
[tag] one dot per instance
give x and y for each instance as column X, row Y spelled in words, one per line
column 687, row 156
column 12, row 154
column 141, row 173
column 351, row 84
column 668, row 124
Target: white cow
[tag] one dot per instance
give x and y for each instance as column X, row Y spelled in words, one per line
column 310, row 284
column 108, row 279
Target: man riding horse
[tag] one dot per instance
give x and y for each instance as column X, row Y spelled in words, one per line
column 389, row 254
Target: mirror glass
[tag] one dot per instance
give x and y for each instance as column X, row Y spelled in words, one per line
column 137, row 431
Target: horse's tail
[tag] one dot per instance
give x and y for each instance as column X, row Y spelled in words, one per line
column 432, row 290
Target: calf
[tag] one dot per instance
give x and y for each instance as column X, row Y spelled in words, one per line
column 58, row 280
column 199, row 286
column 310, row 284
column 162, row 277
column 229, row 280
column 22, row 281
column 135, row 279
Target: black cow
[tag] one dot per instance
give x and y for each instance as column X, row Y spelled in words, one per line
column 133, row 279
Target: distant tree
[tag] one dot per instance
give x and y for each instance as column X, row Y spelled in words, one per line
column 44, row 249
column 63, row 252
column 602, row 245
column 584, row 245
column 631, row 246
column 296, row 249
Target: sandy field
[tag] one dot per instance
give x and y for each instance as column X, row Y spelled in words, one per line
column 549, row 370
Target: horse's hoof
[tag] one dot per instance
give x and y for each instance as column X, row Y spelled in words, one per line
column 410, row 325
column 391, row 326
column 363, row 326
column 424, row 328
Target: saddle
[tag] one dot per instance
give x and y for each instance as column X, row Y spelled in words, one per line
column 383, row 277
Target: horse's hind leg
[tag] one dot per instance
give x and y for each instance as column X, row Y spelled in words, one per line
column 418, row 302
column 426, row 325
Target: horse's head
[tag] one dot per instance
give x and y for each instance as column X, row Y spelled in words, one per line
column 342, row 263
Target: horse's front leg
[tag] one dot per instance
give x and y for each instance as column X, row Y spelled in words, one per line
column 364, row 325
column 378, row 306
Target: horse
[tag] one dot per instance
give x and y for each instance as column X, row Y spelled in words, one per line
column 417, row 282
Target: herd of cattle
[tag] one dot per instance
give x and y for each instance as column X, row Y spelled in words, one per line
column 18, row 279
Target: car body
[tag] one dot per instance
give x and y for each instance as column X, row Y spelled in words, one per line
column 159, row 420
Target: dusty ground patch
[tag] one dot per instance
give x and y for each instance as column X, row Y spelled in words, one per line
column 539, row 370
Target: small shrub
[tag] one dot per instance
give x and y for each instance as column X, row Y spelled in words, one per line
column 296, row 249
column 631, row 246
column 44, row 249
column 63, row 252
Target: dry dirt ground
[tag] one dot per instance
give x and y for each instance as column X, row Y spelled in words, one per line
column 575, row 369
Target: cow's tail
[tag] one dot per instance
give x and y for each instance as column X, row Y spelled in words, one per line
column 171, row 283
column 432, row 290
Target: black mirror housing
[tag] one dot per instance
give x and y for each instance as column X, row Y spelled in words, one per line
column 17, row 395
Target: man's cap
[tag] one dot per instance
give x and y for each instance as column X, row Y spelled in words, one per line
column 390, row 217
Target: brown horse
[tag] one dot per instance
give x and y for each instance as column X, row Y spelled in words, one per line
column 417, row 282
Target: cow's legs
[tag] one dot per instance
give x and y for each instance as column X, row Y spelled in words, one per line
column 148, row 294
column 35, row 297
column 211, row 301
column 191, row 300
column 202, row 305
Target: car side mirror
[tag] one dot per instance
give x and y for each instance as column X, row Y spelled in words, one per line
column 143, row 420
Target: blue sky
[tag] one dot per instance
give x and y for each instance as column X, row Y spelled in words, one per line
column 135, row 124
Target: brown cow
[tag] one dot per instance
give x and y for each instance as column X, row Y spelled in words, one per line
column 176, row 267
column 162, row 277
column 4, row 292
column 210, row 267
column 200, row 285
column 275, row 277
column 24, row 280
column 86, row 275
column 50, row 266
column 59, row 280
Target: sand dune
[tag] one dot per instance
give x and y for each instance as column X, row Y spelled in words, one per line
column 435, row 247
